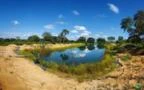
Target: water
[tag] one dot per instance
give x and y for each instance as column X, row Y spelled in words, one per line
column 75, row 56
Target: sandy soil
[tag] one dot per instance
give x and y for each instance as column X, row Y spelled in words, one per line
column 17, row 73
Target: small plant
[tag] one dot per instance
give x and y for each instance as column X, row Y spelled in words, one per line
column 138, row 86
column 126, row 57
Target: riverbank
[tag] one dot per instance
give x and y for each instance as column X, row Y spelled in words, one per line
column 50, row 47
column 18, row 73
column 81, row 72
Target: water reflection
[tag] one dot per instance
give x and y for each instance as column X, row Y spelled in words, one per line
column 82, row 48
column 64, row 56
column 100, row 46
column 91, row 47
column 83, row 54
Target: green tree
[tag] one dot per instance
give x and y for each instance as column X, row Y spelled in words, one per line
column 101, row 42
column 134, row 26
column 62, row 35
column 111, row 38
column 34, row 38
column 120, row 38
column 90, row 40
column 47, row 36
column 18, row 38
column 127, row 24
column 81, row 39
column 139, row 22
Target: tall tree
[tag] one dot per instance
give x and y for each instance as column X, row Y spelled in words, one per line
column 134, row 26
column 62, row 35
column 47, row 36
column 139, row 22
column 90, row 40
column 127, row 24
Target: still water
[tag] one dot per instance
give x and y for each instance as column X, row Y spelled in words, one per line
column 75, row 56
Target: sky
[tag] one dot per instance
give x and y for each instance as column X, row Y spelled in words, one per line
column 90, row 18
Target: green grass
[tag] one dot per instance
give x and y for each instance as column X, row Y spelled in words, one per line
column 27, row 54
column 126, row 57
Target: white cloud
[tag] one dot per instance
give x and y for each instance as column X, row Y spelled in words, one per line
column 49, row 26
column 85, row 33
column 74, row 31
column 113, row 8
column 81, row 30
column 75, row 12
column 60, row 16
column 15, row 22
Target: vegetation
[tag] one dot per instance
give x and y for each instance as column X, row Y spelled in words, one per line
column 34, row 38
column 134, row 26
column 47, row 36
column 82, row 39
column 111, row 39
column 90, row 40
column 101, row 42
column 62, row 35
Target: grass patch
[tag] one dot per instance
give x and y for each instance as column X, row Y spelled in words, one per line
column 27, row 54
column 126, row 57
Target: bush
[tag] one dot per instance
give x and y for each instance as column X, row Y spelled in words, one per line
column 126, row 57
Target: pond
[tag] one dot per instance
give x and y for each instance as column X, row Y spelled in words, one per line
column 75, row 56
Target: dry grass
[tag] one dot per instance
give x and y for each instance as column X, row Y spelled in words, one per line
column 51, row 47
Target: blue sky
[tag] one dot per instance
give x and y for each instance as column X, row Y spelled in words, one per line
column 97, row 18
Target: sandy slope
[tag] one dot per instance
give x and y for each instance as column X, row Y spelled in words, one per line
column 20, row 74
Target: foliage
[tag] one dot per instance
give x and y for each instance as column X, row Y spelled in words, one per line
column 81, row 39
column 134, row 26
column 138, row 86
column 101, row 42
column 120, row 38
column 90, row 40
column 47, row 36
column 126, row 57
column 27, row 54
column 62, row 35
column 134, row 39
column 34, row 38
column 111, row 38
